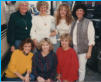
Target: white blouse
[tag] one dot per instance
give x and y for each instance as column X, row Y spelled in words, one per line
column 63, row 27
column 42, row 27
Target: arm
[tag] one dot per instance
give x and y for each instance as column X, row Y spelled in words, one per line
column 34, row 68
column 88, row 55
column 34, row 65
column 91, row 39
column 12, row 65
column 11, row 32
column 33, row 32
column 58, row 65
column 53, row 71
column 20, row 76
column 53, row 27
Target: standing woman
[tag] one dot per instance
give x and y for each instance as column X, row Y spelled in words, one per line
column 43, row 25
column 63, row 20
column 83, row 33
column 19, row 25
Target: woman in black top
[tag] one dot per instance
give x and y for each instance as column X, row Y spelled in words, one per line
column 19, row 25
column 44, row 62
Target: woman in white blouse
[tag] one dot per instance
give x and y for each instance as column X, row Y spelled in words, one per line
column 63, row 21
column 43, row 25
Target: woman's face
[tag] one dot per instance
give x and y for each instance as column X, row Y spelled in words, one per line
column 27, row 48
column 80, row 13
column 43, row 9
column 63, row 12
column 65, row 43
column 45, row 47
column 23, row 8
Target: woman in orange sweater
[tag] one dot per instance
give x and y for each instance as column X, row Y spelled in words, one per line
column 20, row 65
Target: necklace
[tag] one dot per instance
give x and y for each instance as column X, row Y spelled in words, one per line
column 25, row 24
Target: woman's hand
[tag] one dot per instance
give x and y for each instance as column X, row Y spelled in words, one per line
column 12, row 48
column 58, row 76
column 48, row 80
column 88, row 55
column 27, row 78
column 53, row 33
column 40, row 79
column 35, row 42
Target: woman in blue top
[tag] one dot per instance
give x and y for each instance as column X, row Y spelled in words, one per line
column 44, row 62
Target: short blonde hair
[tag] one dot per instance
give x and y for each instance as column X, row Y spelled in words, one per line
column 43, row 41
column 42, row 3
column 66, row 36
column 20, row 3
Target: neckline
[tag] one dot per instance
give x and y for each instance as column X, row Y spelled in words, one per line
column 67, row 49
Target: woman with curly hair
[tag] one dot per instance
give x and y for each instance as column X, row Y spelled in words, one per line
column 43, row 25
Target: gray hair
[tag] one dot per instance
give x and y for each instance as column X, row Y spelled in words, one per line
column 20, row 3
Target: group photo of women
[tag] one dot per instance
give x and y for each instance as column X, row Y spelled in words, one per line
column 48, row 48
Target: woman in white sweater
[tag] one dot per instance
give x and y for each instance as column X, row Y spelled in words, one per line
column 63, row 20
column 43, row 25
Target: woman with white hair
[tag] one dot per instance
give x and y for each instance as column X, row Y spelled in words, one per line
column 19, row 25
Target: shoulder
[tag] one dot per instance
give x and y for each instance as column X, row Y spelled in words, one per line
column 59, row 49
column 72, row 51
column 52, row 17
column 36, row 17
column 16, row 52
column 31, row 54
column 29, row 15
column 13, row 15
column 87, row 20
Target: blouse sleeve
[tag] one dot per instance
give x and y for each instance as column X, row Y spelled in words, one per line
column 33, row 32
column 12, row 64
column 29, row 65
column 91, row 34
column 53, row 25
column 58, row 65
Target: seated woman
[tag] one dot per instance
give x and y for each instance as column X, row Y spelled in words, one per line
column 44, row 62
column 20, row 65
column 67, row 67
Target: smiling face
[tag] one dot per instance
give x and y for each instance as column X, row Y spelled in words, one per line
column 45, row 47
column 65, row 43
column 80, row 13
column 27, row 48
column 23, row 8
column 43, row 9
column 63, row 12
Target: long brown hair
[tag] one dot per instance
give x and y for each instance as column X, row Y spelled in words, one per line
column 69, row 17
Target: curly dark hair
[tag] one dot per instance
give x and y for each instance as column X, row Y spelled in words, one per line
column 79, row 6
column 28, row 40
